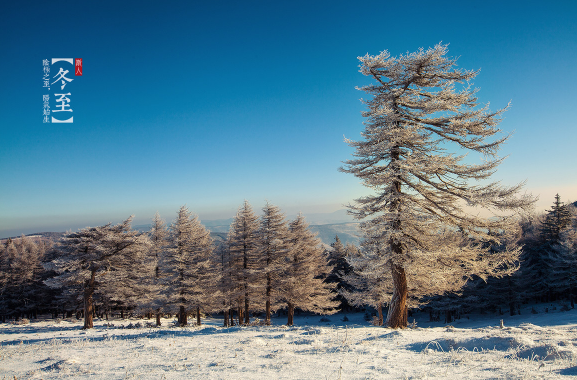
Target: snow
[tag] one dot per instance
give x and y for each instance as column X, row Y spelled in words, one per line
column 530, row 346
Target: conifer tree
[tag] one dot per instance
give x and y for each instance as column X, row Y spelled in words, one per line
column 415, row 114
column 158, row 236
column 130, row 284
column 21, row 274
column 568, row 254
column 340, row 269
column 544, row 265
column 532, row 276
column 306, row 269
column 273, row 248
column 95, row 257
column 556, row 220
column 368, row 285
column 243, row 242
column 224, row 293
column 5, row 259
column 188, row 264
column 557, row 250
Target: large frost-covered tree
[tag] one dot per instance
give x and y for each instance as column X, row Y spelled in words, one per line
column 188, row 264
column 225, row 288
column 155, row 297
column 341, row 268
column 21, row 275
column 305, row 270
column 273, row 248
column 243, row 260
column 421, row 106
column 99, row 260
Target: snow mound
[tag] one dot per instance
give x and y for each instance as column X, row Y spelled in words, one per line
column 496, row 343
column 304, row 341
column 545, row 352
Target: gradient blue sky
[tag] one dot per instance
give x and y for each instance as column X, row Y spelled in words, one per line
column 210, row 103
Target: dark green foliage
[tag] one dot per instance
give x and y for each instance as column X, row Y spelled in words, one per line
column 556, row 220
column 341, row 267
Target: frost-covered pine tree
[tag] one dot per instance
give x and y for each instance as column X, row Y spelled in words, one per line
column 156, row 294
column 421, row 106
column 568, row 255
column 21, row 272
column 340, row 269
column 224, row 291
column 94, row 258
column 243, row 242
column 368, row 285
column 129, row 283
column 304, row 274
column 273, row 248
column 542, row 260
column 556, row 220
column 188, row 265
column 557, row 250
column 532, row 276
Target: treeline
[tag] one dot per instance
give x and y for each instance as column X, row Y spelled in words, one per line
column 265, row 264
column 547, row 270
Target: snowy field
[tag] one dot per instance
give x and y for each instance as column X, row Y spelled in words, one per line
column 530, row 346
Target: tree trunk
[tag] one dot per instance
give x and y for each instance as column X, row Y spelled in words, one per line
column 246, row 309
column 380, row 311
column 225, row 318
column 291, row 313
column 397, row 314
column 88, row 303
column 182, row 317
column 448, row 317
column 268, row 293
column 198, row 315
column 231, row 316
column 158, row 315
column 239, row 315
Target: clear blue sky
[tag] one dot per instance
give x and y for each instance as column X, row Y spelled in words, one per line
column 210, row 103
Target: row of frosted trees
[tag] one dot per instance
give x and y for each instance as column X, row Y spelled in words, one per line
column 264, row 264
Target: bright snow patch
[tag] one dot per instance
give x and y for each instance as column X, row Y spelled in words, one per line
column 530, row 346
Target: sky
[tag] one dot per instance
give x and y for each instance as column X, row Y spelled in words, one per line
column 211, row 103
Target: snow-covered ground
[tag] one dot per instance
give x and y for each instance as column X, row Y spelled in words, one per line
column 530, row 346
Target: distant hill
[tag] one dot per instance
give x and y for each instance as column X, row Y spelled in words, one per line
column 348, row 232
column 326, row 225
column 48, row 235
